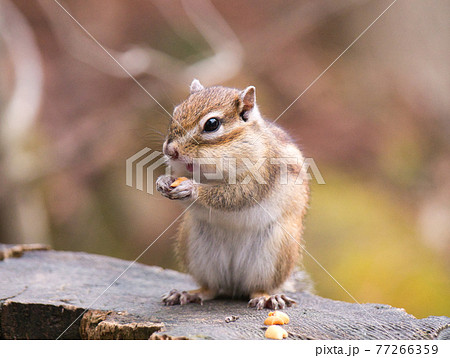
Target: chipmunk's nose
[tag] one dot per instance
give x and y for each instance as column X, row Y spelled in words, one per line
column 170, row 149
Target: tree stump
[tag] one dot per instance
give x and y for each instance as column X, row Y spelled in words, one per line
column 47, row 294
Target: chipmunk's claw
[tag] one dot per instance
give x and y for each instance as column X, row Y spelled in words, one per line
column 163, row 184
column 176, row 297
column 184, row 190
column 273, row 302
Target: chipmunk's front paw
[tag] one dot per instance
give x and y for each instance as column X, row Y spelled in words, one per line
column 163, row 184
column 176, row 297
column 273, row 302
column 185, row 189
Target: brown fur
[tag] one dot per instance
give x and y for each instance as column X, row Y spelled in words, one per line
column 200, row 103
column 241, row 137
column 289, row 253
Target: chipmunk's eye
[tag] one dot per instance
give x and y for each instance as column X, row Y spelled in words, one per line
column 211, row 125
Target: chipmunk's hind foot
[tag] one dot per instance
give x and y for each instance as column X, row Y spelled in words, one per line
column 273, row 302
column 176, row 297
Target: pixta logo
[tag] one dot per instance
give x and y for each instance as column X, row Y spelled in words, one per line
column 143, row 160
column 222, row 169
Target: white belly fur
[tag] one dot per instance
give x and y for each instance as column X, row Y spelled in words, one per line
column 234, row 253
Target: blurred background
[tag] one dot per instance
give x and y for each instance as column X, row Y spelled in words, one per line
column 377, row 125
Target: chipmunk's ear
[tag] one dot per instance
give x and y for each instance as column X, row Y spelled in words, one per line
column 196, row 86
column 248, row 98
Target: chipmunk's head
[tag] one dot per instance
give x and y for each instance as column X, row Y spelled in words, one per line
column 213, row 122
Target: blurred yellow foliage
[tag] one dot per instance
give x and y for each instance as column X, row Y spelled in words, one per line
column 369, row 242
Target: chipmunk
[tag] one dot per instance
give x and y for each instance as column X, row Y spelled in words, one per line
column 239, row 238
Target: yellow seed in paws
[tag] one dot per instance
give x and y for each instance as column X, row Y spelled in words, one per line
column 178, row 182
column 275, row 332
column 282, row 315
column 271, row 320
